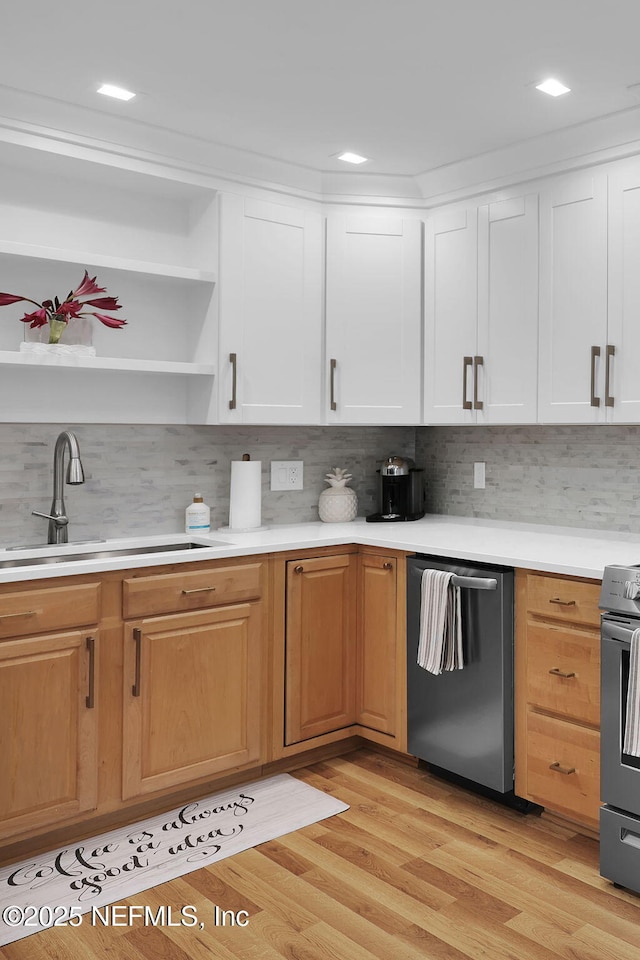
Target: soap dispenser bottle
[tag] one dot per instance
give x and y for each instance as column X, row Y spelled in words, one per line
column 197, row 516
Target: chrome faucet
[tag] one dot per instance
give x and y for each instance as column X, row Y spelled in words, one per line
column 58, row 519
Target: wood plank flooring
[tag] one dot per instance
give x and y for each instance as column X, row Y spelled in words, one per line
column 415, row 868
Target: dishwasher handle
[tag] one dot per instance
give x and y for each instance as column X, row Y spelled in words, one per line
column 474, row 583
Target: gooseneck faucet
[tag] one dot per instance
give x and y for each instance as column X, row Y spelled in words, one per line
column 58, row 519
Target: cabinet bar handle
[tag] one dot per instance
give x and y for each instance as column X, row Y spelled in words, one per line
column 137, row 636
column 233, row 360
column 557, row 672
column 91, row 647
column 298, row 569
column 333, row 364
column 466, row 362
column 199, row 590
column 595, row 352
column 477, row 362
column 566, row 770
column 563, row 603
column 608, row 399
column 23, row 613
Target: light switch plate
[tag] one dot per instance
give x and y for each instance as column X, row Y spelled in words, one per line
column 287, row 474
column 478, row 475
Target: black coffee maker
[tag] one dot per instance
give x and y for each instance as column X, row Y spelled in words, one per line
column 400, row 491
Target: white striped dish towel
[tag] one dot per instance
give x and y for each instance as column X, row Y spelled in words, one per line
column 440, row 643
column 632, row 724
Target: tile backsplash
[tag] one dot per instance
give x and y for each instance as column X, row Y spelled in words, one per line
column 139, row 479
column 582, row 476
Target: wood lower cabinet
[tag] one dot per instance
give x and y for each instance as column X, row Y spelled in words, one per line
column 558, row 694
column 320, row 659
column 48, row 729
column 377, row 643
column 192, row 696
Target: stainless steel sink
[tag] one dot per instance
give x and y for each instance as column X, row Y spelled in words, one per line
column 99, row 554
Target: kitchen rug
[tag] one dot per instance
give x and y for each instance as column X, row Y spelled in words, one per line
column 62, row 886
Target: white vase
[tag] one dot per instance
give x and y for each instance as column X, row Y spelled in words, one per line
column 338, row 505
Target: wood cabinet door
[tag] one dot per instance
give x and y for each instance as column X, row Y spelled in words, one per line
column 451, row 315
column 192, row 696
column 320, row 646
column 48, row 730
column 508, row 310
column 373, row 324
column 573, row 300
column 270, row 313
column 377, row 643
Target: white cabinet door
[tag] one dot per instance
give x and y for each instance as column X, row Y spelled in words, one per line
column 270, row 294
column 573, row 300
column 451, row 316
column 373, row 327
column 622, row 362
column 508, row 310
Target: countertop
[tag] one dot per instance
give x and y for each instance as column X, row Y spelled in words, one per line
column 564, row 550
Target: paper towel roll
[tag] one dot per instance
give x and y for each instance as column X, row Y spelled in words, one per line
column 245, row 499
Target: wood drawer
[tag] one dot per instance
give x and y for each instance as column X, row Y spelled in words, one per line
column 26, row 612
column 572, row 747
column 569, row 600
column 191, row 589
column 573, row 690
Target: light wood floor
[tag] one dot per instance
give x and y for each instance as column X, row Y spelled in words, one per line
column 415, row 868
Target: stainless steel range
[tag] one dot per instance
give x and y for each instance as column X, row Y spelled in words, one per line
column 619, row 771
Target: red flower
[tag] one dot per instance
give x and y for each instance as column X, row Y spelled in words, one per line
column 37, row 319
column 104, row 303
column 8, row 298
column 113, row 322
column 70, row 308
column 87, row 287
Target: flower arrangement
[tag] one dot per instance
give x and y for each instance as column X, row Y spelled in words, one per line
column 57, row 313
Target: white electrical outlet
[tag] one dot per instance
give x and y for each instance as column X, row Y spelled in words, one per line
column 478, row 475
column 287, row 474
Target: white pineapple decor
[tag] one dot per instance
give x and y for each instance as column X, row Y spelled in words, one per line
column 339, row 503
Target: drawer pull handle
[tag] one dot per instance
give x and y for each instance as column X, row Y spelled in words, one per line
column 199, row 590
column 24, row 613
column 566, row 770
column 563, row 603
column 298, row 569
column 557, row 672
column 387, row 566
column 137, row 636
column 90, row 700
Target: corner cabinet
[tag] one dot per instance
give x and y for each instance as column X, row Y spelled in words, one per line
column 481, row 313
column 270, row 312
column 152, row 242
column 373, row 320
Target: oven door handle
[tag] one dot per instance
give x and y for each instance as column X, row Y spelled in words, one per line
column 617, row 633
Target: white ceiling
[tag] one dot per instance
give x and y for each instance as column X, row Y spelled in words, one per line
column 414, row 84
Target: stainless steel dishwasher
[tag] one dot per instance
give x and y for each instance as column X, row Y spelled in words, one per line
column 461, row 721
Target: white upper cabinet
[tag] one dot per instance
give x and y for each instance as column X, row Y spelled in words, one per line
column 508, row 310
column 573, row 300
column 481, row 313
column 451, row 316
column 622, row 357
column 373, row 320
column 270, row 299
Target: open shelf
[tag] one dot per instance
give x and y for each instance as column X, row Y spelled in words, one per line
column 13, row 358
column 61, row 255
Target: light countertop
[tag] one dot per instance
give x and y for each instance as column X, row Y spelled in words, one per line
column 564, row 550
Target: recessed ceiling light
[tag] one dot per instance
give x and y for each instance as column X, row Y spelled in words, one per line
column 119, row 93
column 349, row 157
column 553, row 87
